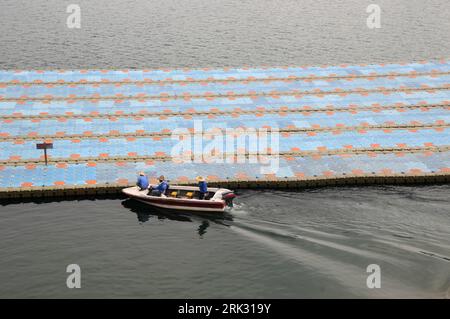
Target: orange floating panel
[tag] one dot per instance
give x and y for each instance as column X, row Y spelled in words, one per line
column 63, row 165
column 87, row 133
column 328, row 173
column 311, row 134
column 182, row 179
column 295, row 149
column 349, row 147
column 121, row 164
column 33, row 134
column 375, row 145
column 149, row 162
column 212, row 178
column 402, row 145
column 357, row 172
column 27, row 184
column 103, row 139
column 300, row 175
column 241, row 175
column 322, row 148
column 122, row 181
column 445, row 170
column 4, row 134
column 91, row 182
column 160, row 154
column 428, row 144
column 114, row 132
column 91, row 164
column 30, row 166
column 103, row 155
column 415, row 171
column 131, row 139
column 59, row 183
column 386, row 171
column 271, row 177
column 132, row 154
column 19, row 142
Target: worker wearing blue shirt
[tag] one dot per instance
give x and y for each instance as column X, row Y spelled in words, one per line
column 142, row 181
column 161, row 188
column 203, row 187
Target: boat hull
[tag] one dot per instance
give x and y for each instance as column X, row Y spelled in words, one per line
column 178, row 204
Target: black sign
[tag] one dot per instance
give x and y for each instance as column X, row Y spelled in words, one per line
column 44, row 146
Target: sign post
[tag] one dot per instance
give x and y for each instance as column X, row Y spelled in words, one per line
column 44, row 146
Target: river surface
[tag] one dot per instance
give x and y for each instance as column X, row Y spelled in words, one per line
column 277, row 244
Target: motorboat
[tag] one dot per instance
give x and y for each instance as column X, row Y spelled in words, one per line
column 185, row 198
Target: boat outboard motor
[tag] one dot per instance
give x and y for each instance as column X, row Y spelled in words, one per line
column 228, row 197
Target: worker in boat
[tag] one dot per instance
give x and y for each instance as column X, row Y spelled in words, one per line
column 142, row 181
column 203, row 187
column 162, row 187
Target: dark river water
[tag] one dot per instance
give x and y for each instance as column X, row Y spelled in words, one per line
column 312, row 243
